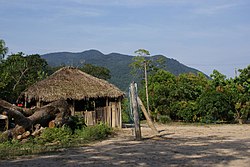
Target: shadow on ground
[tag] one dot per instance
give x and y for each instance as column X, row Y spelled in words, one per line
column 162, row 150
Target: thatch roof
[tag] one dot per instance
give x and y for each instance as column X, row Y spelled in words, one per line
column 71, row 83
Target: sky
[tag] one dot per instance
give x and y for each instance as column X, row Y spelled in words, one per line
column 203, row 34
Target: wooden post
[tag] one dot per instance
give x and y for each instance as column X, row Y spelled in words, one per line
column 147, row 116
column 133, row 96
column 146, row 86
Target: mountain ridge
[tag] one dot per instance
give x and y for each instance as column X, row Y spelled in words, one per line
column 117, row 63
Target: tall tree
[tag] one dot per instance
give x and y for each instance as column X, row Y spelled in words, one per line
column 3, row 49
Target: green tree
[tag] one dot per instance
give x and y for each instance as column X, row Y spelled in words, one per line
column 160, row 87
column 188, row 89
column 3, row 49
column 143, row 61
column 218, row 80
column 238, row 89
column 96, row 71
column 141, row 67
column 18, row 72
column 138, row 64
column 214, row 106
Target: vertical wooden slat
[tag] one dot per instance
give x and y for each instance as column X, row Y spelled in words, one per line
column 113, row 115
column 117, row 118
column 109, row 116
column 94, row 117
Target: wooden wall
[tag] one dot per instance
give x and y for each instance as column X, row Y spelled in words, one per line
column 110, row 115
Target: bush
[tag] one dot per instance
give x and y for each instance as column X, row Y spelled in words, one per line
column 164, row 119
column 76, row 122
column 214, row 106
column 53, row 135
column 97, row 132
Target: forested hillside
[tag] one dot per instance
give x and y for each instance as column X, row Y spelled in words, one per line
column 118, row 64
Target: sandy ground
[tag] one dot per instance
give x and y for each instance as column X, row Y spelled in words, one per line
column 176, row 145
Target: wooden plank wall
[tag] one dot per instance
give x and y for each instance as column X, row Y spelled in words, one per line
column 90, row 117
column 111, row 115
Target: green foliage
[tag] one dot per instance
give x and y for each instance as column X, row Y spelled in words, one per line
column 55, row 135
column 160, row 86
column 218, row 79
column 142, row 62
column 53, row 139
column 164, row 119
column 3, row 137
column 76, row 122
column 118, row 64
column 187, row 111
column 137, row 66
column 3, row 49
column 96, row 71
column 239, row 92
column 175, row 96
column 214, row 106
column 18, row 72
column 91, row 133
column 195, row 98
column 125, row 111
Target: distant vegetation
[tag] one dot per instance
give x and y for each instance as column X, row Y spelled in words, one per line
column 117, row 64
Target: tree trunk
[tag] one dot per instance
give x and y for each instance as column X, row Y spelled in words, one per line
column 58, row 111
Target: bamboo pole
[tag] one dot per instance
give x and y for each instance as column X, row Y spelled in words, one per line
column 147, row 116
column 135, row 111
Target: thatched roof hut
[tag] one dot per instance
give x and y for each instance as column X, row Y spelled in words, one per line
column 78, row 88
column 71, row 83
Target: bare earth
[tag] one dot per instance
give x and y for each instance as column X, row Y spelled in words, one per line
column 176, row 145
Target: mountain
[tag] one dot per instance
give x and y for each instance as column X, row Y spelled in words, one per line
column 118, row 64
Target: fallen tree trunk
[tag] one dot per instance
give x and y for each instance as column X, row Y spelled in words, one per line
column 58, row 111
column 24, row 111
column 15, row 112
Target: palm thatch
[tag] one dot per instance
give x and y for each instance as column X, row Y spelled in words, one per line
column 71, row 83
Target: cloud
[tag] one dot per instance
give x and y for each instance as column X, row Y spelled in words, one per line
column 214, row 9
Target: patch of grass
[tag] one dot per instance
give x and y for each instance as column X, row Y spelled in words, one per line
column 53, row 139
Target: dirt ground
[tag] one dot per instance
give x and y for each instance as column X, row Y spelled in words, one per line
column 176, row 145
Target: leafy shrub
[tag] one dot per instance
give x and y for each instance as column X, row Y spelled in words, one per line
column 214, row 106
column 76, row 122
column 53, row 135
column 97, row 132
column 164, row 119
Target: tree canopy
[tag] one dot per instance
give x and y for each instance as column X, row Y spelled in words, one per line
column 18, row 72
column 196, row 98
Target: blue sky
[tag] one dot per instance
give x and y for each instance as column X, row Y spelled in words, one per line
column 204, row 34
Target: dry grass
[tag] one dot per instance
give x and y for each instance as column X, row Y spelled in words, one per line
column 71, row 83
